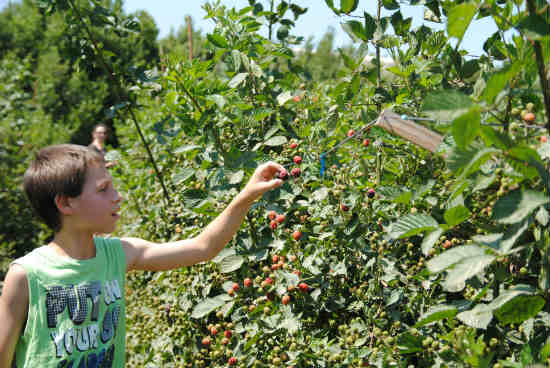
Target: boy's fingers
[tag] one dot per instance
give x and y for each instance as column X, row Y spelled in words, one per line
column 270, row 168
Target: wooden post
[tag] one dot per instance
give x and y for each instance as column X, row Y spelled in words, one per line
column 190, row 37
column 409, row 130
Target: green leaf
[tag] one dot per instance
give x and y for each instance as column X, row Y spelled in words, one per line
column 237, row 177
column 508, row 295
column 498, row 81
column 187, row 148
column 347, row 6
column 493, row 137
column 459, row 18
column 330, row 4
column 236, row 55
column 390, row 4
column 409, row 344
column 464, row 270
column 355, row 30
column 446, row 105
column 520, row 309
column 478, row 317
column 512, row 234
column 320, row 194
column 231, row 263
column 282, row 33
column 456, row 215
column 412, row 224
column 447, row 259
column 435, row 314
column 219, row 100
column 283, row 97
column 429, row 240
column 217, row 40
column 517, row 205
column 208, row 305
column 237, row 80
column 534, row 26
column 278, row 140
column 466, row 127
column 401, row 26
column 370, row 25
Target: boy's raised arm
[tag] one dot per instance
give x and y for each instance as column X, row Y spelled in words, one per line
column 14, row 303
column 144, row 255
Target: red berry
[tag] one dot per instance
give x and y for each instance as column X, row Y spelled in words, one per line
column 344, row 207
column 366, row 142
column 371, row 193
column 247, row 282
column 285, row 299
column 272, row 215
column 293, row 145
column 280, row 218
column 228, row 333
column 269, row 281
column 274, row 266
column 213, row 331
column 235, row 286
column 275, row 258
column 232, row 361
column 529, row 117
column 273, row 224
column 225, row 341
column 303, row 286
column 283, row 174
column 296, row 98
column 297, row 160
column 351, row 132
column 296, row 172
column 544, row 139
column 206, row 341
column 297, row 235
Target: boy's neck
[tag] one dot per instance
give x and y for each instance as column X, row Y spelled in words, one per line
column 76, row 246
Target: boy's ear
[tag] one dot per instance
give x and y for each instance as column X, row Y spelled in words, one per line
column 64, row 204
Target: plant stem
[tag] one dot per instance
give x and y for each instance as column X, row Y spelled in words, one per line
column 270, row 20
column 532, row 8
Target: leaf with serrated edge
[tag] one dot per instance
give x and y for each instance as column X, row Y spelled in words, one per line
column 429, row 240
column 435, row 314
column 453, row 256
column 465, row 269
column 478, row 317
column 412, row 224
column 517, row 205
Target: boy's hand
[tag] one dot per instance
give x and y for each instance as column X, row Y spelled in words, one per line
column 263, row 180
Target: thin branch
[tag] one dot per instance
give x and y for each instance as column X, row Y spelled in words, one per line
column 119, row 91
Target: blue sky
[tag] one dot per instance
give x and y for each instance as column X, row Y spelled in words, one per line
column 170, row 14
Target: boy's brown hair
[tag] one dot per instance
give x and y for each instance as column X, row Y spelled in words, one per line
column 57, row 170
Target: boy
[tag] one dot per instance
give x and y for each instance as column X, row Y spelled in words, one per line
column 62, row 305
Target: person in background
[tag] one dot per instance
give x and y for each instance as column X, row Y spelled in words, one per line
column 99, row 136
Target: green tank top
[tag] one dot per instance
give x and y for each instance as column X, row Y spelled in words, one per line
column 76, row 315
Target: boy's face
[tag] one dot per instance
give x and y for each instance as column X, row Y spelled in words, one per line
column 96, row 208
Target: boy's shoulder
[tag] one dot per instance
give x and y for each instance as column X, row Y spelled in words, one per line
column 30, row 258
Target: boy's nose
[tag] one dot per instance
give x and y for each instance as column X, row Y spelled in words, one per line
column 118, row 197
